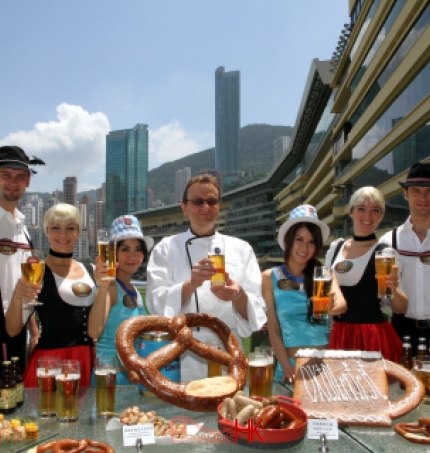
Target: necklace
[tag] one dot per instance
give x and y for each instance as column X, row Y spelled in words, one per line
column 364, row 238
column 290, row 282
column 60, row 255
column 132, row 293
column 129, row 299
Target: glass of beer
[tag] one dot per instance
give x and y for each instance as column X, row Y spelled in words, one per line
column 271, row 356
column 421, row 369
column 217, row 255
column 214, row 368
column 259, row 375
column 67, row 390
column 321, row 292
column 384, row 261
column 107, row 253
column 47, row 369
column 32, row 269
column 105, row 372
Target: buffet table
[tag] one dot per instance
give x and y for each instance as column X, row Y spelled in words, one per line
column 88, row 426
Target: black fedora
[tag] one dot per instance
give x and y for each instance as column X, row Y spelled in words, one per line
column 419, row 175
column 16, row 158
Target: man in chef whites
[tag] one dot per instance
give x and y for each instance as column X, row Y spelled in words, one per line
column 179, row 274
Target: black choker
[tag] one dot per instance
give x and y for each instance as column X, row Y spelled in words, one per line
column 60, row 255
column 364, row 238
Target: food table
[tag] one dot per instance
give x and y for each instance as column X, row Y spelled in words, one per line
column 88, row 426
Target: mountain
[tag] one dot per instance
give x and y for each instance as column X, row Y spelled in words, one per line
column 256, row 156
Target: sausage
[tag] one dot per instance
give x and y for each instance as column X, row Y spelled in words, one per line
column 232, row 409
column 242, row 400
column 224, row 411
column 268, row 415
column 146, row 370
column 246, row 413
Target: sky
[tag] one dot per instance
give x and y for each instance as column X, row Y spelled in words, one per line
column 73, row 70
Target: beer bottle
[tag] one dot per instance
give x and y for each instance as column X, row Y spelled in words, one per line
column 19, row 381
column 422, row 347
column 406, row 359
column 7, row 389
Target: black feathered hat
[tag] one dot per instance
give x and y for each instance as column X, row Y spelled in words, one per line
column 15, row 157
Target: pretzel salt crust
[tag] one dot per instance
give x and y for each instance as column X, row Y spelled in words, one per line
column 74, row 446
column 146, row 370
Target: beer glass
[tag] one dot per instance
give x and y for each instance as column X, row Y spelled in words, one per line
column 421, row 369
column 214, row 368
column 67, row 390
column 259, row 375
column 384, row 261
column 271, row 356
column 47, row 369
column 32, row 269
column 321, row 292
column 217, row 255
column 105, row 372
column 107, row 253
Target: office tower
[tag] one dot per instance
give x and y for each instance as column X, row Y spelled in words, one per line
column 280, row 146
column 227, row 123
column 181, row 179
column 70, row 185
column 99, row 218
column 85, row 201
column 101, row 193
column 126, row 171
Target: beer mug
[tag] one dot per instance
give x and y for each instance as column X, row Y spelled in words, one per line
column 259, row 375
column 105, row 372
column 321, row 292
column 271, row 356
column 217, row 255
column 107, row 253
column 67, row 390
column 214, row 368
column 421, row 369
column 47, row 369
column 384, row 262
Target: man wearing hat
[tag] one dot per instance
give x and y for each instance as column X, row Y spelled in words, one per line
column 412, row 241
column 15, row 174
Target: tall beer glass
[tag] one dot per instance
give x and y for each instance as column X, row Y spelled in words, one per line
column 271, row 357
column 259, row 375
column 32, row 269
column 67, row 390
column 384, row 262
column 105, row 372
column 214, row 368
column 107, row 253
column 217, row 255
column 47, row 369
column 421, row 369
column 321, row 292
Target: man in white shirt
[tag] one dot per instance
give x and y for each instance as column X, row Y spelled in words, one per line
column 179, row 274
column 15, row 175
column 412, row 241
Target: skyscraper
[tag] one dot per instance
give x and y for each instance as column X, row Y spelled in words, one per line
column 227, row 123
column 182, row 177
column 126, row 171
column 70, row 185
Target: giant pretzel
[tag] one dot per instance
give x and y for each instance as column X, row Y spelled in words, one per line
column 146, row 370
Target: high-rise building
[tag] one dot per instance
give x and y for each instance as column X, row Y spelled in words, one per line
column 280, row 146
column 181, row 179
column 99, row 218
column 126, row 171
column 227, row 123
column 70, row 185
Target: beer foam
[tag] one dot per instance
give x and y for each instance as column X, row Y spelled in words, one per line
column 337, row 354
column 68, row 377
column 105, row 371
column 261, row 362
column 43, row 372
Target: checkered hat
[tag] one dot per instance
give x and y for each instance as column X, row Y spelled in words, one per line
column 127, row 227
column 303, row 213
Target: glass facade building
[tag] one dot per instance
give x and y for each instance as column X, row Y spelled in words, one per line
column 227, row 123
column 126, row 171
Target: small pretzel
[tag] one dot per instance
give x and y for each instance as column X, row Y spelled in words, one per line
column 418, row 433
column 146, row 370
column 74, row 446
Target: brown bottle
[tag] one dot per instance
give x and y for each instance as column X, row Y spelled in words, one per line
column 406, row 359
column 7, row 389
column 19, row 381
column 422, row 347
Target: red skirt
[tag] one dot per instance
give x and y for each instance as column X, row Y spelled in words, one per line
column 367, row 337
column 84, row 354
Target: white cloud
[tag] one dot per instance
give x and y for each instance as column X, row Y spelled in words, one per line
column 74, row 145
column 171, row 142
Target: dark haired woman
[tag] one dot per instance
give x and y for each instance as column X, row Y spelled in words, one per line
column 122, row 299
column 287, row 290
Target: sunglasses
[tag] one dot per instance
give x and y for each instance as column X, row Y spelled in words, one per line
column 202, row 201
column 8, row 247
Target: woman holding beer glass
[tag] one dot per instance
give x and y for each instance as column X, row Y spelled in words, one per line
column 67, row 293
column 287, row 290
column 364, row 326
column 121, row 300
